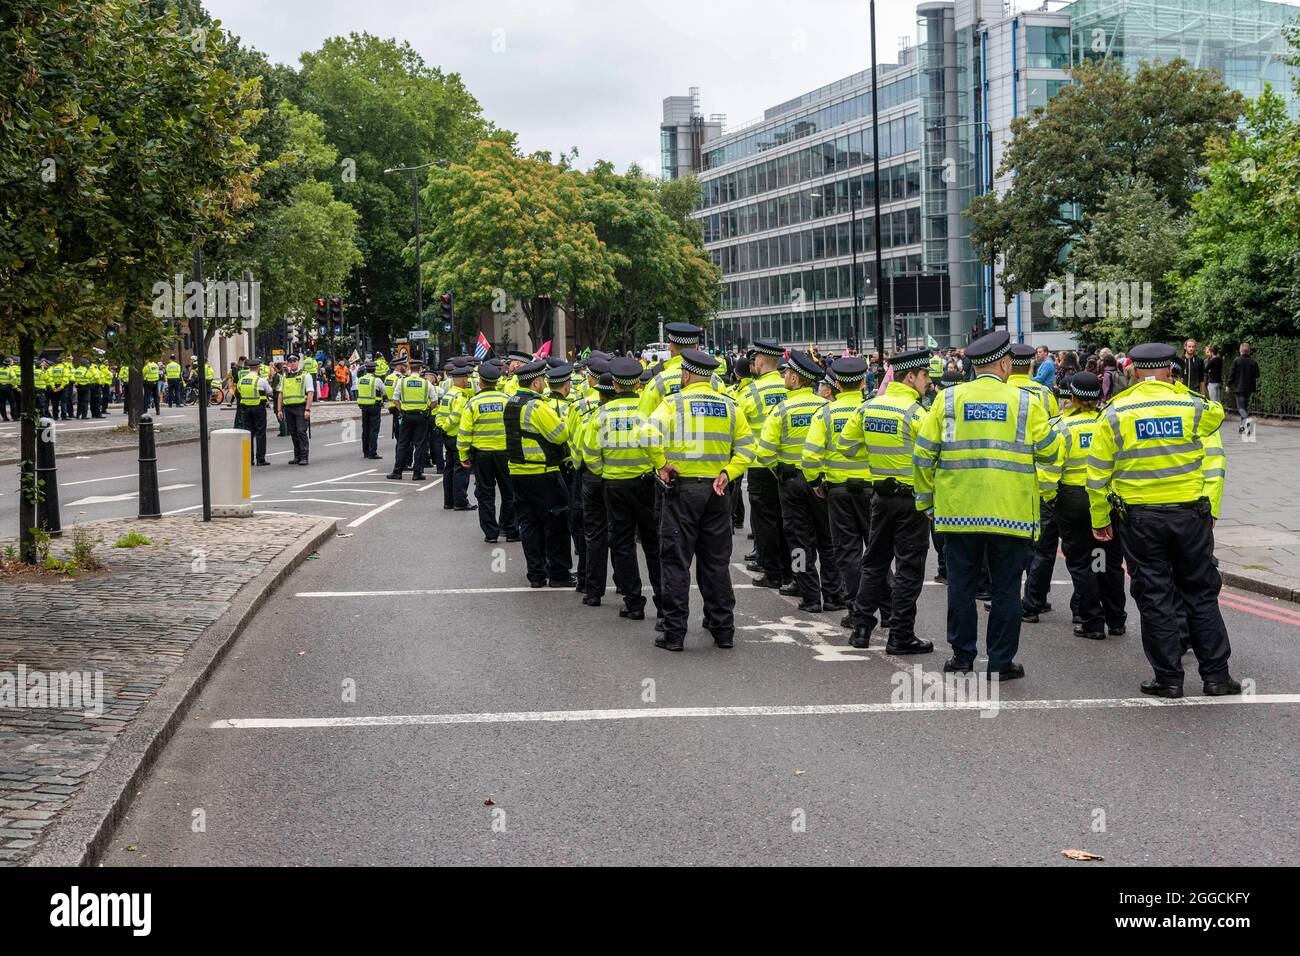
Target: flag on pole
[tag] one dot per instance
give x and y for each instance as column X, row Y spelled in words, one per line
column 481, row 347
column 930, row 343
column 545, row 350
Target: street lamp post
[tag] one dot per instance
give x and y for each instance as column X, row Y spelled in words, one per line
column 415, row 192
column 875, row 163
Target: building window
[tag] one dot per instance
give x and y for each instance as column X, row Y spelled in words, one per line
column 1047, row 48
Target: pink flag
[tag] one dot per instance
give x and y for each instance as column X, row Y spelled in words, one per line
column 545, row 350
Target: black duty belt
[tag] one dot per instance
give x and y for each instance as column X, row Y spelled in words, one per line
column 893, row 488
column 695, row 481
column 1180, row 506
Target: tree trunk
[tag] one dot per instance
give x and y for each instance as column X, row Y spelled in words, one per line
column 27, row 469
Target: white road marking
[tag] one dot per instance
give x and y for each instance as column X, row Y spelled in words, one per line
column 271, row 511
column 350, row 441
column 809, row 710
column 360, row 491
column 433, row 484
column 433, row 592
column 182, row 510
column 329, row 481
column 87, row 481
column 106, row 499
column 370, row 514
column 276, row 454
column 323, row 501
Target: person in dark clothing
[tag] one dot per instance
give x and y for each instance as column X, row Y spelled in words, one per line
column 1213, row 374
column 1243, row 379
column 1193, row 368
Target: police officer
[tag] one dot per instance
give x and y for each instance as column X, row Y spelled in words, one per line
column 681, row 336
column 698, row 443
column 756, row 399
column 392, row 383
column 151, row 376
column 613, row 452
column 588, row 486
column 883, row 432
column 481, row 444
column 1096, row 568
column 81, row 381
column 576, row 415
column 415, row 401
column 8, row 386
column 370, row 399
column 1038, row 578
column 1148, row 460
column 978, row 455
column 254, row 393
column 455, row 487
column 297, row 390
column 174, row 396
column 535, row 445
column 842, row 476
column 807, row 525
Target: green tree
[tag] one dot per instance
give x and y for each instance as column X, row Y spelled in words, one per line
column 383, row 107
column 513, row 225
column 1106, row 129
column 1239, row 275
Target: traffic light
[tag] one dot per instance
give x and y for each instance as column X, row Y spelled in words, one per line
column 322, row 316
column 447, row 306
column 336, row 315
column 900, row 333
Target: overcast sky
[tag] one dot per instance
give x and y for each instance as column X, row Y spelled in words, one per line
column 589, row 74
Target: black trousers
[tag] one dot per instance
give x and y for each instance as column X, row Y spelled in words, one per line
column 492, row 471
column 542, row 504
column 253, row 419
column 849, row 513
column 83, row 401
column 629, row 514
column 1007, row 558
column 55, row 404
column 736, row 492
column 393, row 414
column 765, row 519
column 1038, row 578
column 595, row 534
column 1175, row 577
column 455, row 485
column 67, row 400
column 437, row 446
column 696, row 523
column 1096, row 567
column 899, row 533
column 936, row 539
column 7, row 393
column 573, row 481
column 174, row 396
column 104, row 395
column 296, row 420
column 151, row 390
column 412, row 443
column 371, row 418
column 808, row 530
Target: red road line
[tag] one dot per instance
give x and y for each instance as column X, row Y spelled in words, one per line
column 1257, row 613
column 1265, row 605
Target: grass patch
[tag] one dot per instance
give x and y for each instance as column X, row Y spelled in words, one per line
column 132, row 540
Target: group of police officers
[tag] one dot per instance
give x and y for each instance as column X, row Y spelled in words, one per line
column 847, row 491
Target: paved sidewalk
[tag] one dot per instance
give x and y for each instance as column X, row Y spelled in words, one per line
column 1258, row 535
column 111, row 434
column 131, row 627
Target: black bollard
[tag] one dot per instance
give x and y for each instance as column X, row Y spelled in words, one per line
column 47, row 508
column 150, row 506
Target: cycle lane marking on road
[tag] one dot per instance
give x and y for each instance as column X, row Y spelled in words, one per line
column 87, row 481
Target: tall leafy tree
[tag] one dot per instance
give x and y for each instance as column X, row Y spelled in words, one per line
column 505, row 223
column 1107, row 129
column 384, row 107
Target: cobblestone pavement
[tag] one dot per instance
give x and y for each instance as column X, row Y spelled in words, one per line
column 1258, row 534
column 134, row 625
column 111, row 434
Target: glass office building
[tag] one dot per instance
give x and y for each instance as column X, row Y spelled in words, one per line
column 786, row 202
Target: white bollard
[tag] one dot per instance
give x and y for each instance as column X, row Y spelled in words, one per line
column 232, row 483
